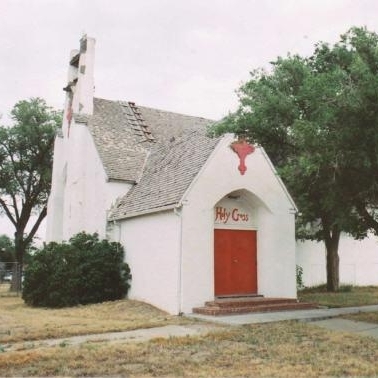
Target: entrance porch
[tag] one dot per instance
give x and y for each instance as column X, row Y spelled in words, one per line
column 250, row 304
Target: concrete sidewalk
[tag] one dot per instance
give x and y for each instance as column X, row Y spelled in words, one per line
column 350, row 326
column 325, row 318
column 268, row 317
column 138, row 335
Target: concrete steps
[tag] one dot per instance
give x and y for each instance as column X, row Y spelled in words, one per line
column 244, row 305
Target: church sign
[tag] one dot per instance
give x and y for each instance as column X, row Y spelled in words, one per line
column 224, row 215
column 233, row 214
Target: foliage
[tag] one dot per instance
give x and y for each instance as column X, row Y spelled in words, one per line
column 84, row 270
column 317, row 118
column 6, row 249
column 25, row 167
column 7, row 257
column 299, row 277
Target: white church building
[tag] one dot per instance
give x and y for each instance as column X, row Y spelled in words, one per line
column 199, row 217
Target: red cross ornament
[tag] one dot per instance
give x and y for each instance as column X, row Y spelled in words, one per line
column 242, row 148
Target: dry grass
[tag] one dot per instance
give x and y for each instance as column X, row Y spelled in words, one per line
column 282, row 349
column 278, row 349
column 370, row 317
column 5, row 290
column 19, row 322
column 346, row 297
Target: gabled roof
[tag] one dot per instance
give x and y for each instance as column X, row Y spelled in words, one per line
column 121, row 139
column 122, row 150
column 161, row 152
column 171, row 168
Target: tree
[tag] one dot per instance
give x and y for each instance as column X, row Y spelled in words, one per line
column 317, row 117
column 26, row 151
column 6, row 255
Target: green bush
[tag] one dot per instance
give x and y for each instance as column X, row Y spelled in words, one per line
column 84, row 270
column 299, row 277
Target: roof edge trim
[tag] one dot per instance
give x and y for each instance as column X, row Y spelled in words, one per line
column 145, row 212
column 199, row 173
column 278, row 178
column 122, row 181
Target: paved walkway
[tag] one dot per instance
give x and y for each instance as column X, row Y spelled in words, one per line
column 325, row 318
column 137, row 335
column 267, row 317
column 350, row 326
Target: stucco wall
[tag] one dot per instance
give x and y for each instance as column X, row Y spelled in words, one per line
column 152, row 245
column 358, row 261
column 81, row 194
column 276, row 243
column 55, row 205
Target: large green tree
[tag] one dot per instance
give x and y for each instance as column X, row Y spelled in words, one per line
column 26, row 151
column 317, row 117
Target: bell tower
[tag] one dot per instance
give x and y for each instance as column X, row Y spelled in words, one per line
column 80, row 86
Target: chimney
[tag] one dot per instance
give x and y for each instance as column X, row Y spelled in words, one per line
column 80, row 86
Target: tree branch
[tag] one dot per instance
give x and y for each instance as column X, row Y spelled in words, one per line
column 38, row 222
column 7, row 212
column 16, row 212
column 368, row 218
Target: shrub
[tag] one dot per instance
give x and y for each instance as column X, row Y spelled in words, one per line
column 299, row 277
column 84, row 270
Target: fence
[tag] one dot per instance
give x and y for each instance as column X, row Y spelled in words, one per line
column 10, row 279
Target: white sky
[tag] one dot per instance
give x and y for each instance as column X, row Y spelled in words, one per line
column 178, row 55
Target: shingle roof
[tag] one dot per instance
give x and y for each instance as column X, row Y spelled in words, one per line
column 163, row 168
column 170, row 170
column 120, row 141
column 123, row 151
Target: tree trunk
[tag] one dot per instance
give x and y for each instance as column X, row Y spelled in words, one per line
column 332, row 238
column 20, row 248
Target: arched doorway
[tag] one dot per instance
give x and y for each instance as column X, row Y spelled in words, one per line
column 235, row 247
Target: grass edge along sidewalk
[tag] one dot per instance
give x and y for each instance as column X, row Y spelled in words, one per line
column 275, row 349
column 347, row 296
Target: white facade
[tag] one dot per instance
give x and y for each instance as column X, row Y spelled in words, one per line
column 171, row 254
column 81, row 194
column 152, row 245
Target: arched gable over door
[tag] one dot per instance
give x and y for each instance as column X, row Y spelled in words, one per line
column 235, row 247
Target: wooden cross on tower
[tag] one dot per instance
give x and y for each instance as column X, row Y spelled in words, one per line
column 242, row 148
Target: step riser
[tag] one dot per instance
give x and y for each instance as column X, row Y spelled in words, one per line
column 212, row 310
column 249, row 303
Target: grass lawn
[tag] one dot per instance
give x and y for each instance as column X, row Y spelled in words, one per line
column 19, row 322
column 274, row 349
column 347, row 296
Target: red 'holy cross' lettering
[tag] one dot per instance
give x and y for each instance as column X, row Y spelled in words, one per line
column 242, row 148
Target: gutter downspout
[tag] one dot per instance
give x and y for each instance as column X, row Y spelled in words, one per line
column 178, row 211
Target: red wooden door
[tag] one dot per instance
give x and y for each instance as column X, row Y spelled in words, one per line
column 235, row 262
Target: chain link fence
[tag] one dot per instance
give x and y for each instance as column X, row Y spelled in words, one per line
column 10, row 279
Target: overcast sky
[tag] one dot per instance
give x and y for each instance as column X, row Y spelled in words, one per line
column 178, row 55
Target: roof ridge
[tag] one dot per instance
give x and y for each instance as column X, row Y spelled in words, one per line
column 156, row 109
